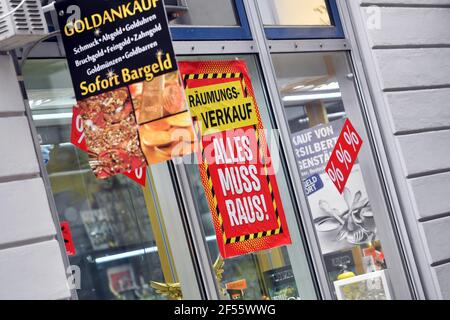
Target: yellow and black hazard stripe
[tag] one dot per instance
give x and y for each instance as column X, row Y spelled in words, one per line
column 230, row 75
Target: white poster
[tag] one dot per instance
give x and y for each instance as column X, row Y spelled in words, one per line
column 342, row 221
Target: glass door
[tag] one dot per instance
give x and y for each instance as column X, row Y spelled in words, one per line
column 279, row 274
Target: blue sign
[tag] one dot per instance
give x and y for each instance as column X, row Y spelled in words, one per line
column 313, row 184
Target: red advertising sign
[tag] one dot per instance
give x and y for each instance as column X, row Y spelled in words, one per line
column 344, row 156
column 234, row 160
column 67, row 237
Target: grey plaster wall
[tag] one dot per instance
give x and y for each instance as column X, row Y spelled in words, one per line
column 406, row 43
column 31, row 262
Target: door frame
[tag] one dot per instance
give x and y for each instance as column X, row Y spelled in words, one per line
column 378, row 192
column 398, row 198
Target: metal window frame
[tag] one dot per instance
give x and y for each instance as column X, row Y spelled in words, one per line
column 203, row 33
column 335, row 31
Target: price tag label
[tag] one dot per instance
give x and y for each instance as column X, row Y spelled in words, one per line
column 344, row 156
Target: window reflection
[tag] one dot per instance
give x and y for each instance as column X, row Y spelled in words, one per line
column 344, row 223
column 294, row 12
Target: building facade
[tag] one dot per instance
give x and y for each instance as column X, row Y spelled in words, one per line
column 383, row 64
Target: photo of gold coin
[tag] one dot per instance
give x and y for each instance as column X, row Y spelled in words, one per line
column 173, row 98
column 160, row 125
column 150, row 100
column 171, row 77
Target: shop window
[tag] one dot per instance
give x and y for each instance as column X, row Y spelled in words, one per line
column 344, row 223
column 120, row 245
column 280, row 273
column 306, row 19
column 208, row 20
